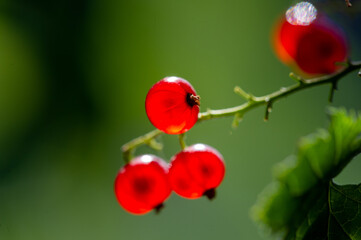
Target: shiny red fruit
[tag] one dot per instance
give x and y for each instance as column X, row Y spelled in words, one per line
column 314, row 48
column 172, row 105
column 142, row 184
column 196, row 171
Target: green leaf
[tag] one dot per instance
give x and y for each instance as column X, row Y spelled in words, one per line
column 344, row 129
column 314, row 224
column 301, row 205
column 276, row 206
column 345, row 212
column 336, row 215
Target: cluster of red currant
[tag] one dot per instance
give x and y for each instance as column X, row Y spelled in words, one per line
column 144, row 183
column 304, row 39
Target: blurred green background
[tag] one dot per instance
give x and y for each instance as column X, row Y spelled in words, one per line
column 73, row 80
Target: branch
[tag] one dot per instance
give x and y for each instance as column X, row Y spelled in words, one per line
column 252, row 102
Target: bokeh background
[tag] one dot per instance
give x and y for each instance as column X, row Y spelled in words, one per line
column 73, row 80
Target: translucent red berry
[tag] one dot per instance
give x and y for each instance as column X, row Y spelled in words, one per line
column 142, row 184
column 313, row 48
column 172, row 105
column 196, row 171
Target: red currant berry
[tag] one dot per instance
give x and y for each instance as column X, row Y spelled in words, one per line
column 142, row 184
column 196, row 171
column 314, row 48
column 172, row 105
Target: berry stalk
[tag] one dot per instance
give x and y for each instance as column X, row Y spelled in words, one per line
column 251, row 102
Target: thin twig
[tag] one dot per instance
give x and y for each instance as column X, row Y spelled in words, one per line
column 268, row 110
column 133, row 144
column 275, row 96
column 251, row 103
column 332, row 91
column 182, row 142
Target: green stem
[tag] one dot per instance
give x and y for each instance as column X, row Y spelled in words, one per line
column 252, row 102
column 275, row 96
column 181, row 141
column 128, row 148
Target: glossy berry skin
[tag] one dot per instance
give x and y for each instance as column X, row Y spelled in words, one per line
column 196, row 171
column 313, row 49
column 172, row 105
column 142, row 184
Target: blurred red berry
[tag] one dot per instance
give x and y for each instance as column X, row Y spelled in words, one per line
column 196, row 171
column 313, row 48
column 172, row 105
column 142, row 184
